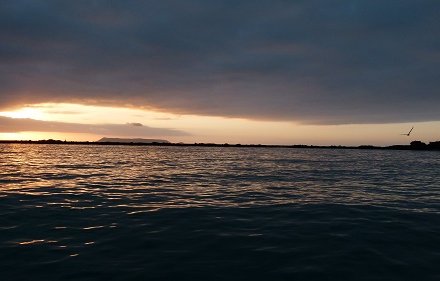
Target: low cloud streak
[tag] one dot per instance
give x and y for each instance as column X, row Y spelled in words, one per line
column 16, row 125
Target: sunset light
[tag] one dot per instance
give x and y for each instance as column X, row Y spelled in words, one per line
column 209, row 129
column 26, row 112
column 220, row 140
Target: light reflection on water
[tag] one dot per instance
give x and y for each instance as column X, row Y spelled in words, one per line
column 172, row 177
column 264, row 213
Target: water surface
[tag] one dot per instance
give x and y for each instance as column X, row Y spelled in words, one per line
column 70, row 212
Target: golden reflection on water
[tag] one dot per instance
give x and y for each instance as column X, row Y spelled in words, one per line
column 145, row 179
column 31, row 242
column 38, row 241
column 71, row 211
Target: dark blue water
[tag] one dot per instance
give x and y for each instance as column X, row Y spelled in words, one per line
column 175, row 213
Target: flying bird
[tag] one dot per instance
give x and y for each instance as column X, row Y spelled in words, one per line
column 408, row 132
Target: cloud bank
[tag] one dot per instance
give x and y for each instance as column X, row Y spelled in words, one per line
column 318, row 61
column 16, row 125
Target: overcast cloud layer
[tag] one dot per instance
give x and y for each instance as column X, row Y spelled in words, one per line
column 325, row 62
column 16, row 125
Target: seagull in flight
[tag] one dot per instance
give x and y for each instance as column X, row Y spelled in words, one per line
column 409, row 133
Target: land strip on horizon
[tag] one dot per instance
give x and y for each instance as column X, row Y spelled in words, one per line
column 414, row 145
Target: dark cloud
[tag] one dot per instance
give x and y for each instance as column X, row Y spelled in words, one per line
column 136, row 124
column 15, row 125
column 310, row 61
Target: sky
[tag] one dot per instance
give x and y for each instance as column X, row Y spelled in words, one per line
column 279, row 72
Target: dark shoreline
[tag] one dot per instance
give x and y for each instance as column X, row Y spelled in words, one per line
column 415, row 145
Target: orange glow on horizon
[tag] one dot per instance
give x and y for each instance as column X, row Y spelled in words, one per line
column 26, row 112
column 209, row 129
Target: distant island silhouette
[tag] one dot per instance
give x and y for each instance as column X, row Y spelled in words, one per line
column 414, row 145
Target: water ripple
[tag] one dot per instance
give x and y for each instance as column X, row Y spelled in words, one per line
column 189, row 213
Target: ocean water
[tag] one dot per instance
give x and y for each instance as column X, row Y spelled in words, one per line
column 194, row 213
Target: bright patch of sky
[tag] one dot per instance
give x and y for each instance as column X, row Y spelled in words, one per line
column 215, row 129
